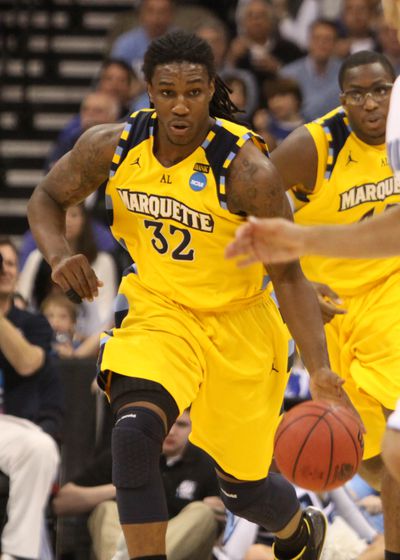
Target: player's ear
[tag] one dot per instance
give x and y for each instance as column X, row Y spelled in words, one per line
column 149, row 93
column 343, row 102
column 212, row 89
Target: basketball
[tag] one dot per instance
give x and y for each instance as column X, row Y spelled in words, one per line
column 318, row 446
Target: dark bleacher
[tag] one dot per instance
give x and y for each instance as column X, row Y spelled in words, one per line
column 50, row 52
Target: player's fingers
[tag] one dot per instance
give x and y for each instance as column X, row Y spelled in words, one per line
column 242, row 244
column 77, row 284
column 86, row 281
column 349, row 405
column 325, row 291
column 238, row 247
column 89, row 281
column 75, row 273
column 331, row 308
column 59, row 279
column 250, row 259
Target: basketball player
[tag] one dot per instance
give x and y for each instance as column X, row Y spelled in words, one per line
column 190, row 326
column 341, row 175
column 276, row 240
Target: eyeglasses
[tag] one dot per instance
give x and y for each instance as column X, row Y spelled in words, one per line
column 378, row 93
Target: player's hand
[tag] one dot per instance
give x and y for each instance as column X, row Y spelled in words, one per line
column 75, row 273
column 329, row 302
column 273, row 240
column 325, row 385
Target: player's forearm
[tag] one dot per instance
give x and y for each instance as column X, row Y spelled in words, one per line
column 25, row 358
column 376, row 237
column 47, row 222
column 302, row 314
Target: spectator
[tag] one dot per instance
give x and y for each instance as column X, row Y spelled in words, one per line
column 317, row 73
column 295, row 19
column 118, row 79
column 356, row 31
column 389, row 43
column 96, row 108
column 283, row 112
column 258, row 46
column 31, row 419
column 35, row 279
column 216, row 35
column 155, row 19
column 368, row 500
column 61, row 313
column 239, row 96
column 189, row 480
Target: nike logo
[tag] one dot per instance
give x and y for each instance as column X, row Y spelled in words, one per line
column 125, row 416
column 227, row 494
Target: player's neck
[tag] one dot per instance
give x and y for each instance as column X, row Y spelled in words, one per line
column 168, row 153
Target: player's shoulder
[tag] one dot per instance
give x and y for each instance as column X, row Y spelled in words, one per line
column 100, row 141
column 103, row 134
column 329, row 123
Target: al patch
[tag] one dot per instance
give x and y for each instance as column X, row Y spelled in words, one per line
column 198, row 181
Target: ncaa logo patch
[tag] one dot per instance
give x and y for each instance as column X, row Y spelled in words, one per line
column 198, row 181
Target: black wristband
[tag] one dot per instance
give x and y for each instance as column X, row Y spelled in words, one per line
column 73, row 296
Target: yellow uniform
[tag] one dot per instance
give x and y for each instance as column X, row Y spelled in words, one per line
column 190, row 319
column 354, row 182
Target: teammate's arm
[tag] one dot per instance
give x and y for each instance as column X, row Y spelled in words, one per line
column 296, row 160
column 254, row 187
column 76, row 175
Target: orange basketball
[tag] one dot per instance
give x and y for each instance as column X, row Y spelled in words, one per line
column 318, row 446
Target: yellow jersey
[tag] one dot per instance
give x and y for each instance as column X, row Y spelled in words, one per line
column 174, row 221
column 354, row 182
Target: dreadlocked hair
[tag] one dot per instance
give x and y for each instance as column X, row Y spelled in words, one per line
column 180, row 46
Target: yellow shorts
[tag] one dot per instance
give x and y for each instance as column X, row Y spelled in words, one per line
column 231, row 366
column 364, row 349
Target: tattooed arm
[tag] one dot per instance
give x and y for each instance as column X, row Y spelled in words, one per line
column 76, row 175
column 255, row 187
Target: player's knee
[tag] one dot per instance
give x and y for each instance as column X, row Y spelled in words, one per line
column 136, row 447
column 271, row 502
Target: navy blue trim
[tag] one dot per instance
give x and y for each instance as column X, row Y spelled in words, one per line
column 339, row 132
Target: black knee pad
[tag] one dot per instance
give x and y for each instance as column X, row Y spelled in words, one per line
column 136, row 447
column 270, row 502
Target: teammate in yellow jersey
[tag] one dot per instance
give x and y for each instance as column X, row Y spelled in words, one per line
column 341, row 180
column 190, row 327
column 276, row 240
